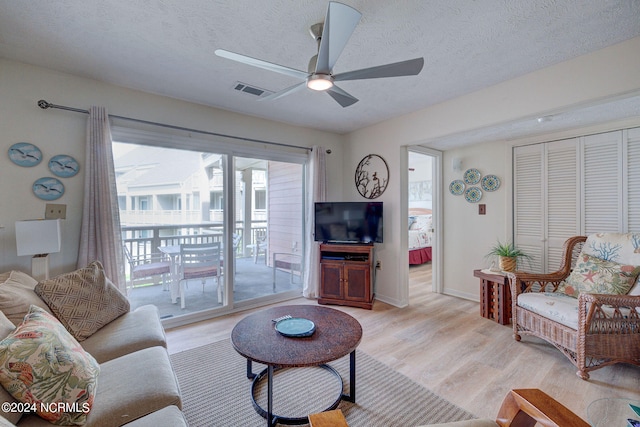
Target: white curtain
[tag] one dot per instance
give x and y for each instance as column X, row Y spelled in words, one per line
column 316, row 192
column 100, row 237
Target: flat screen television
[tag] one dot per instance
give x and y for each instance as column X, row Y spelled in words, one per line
column 348, row 222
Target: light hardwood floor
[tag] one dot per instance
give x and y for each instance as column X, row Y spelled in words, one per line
column 444, row 344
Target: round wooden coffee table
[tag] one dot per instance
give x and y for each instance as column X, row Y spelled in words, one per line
column 255, row 338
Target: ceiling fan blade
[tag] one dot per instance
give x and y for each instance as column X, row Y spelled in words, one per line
column 341, row 97
column 261, row 64
column 283, row 92
column 339, row 24
column 410, row 67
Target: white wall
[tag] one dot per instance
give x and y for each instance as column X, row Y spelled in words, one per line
column 422, row 166
column 608, row 73
column 62, row 132
column 467, row 235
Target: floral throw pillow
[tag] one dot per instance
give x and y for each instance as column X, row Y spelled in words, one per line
column 598, row 276
column 42, row 365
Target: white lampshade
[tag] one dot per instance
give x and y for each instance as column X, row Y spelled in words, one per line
column 40, row 236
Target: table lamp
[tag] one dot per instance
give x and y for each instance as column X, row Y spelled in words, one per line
column 38, row 238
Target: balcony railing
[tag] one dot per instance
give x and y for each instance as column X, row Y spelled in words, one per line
column 165, row 217
column 172, row 217
column 144, row 240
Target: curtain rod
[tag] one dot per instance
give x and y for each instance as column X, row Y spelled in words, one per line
column 45, row 104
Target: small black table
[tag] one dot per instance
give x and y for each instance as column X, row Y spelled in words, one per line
column 255, row 338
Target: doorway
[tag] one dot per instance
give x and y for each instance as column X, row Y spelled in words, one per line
column 423, row 207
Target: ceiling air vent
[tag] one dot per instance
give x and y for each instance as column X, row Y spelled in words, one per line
column 252, row 90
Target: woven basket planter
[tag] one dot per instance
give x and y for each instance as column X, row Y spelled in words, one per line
column 508, row 263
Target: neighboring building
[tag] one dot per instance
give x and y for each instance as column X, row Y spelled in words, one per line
column 163, row 192
column 161, row 186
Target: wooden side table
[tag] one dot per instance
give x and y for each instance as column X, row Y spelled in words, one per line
column 495, row 296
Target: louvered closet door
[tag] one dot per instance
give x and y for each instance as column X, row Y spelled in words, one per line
column 602, row 183
column 563, row 198
column 583, row 185
column 633, row 180
column 529, row 209
column 547, row 200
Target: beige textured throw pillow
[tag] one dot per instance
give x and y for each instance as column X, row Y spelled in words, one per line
column 83, row 300
column 17, row 295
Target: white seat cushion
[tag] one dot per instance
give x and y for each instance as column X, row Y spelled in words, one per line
column 554, row 306
column 559, row 307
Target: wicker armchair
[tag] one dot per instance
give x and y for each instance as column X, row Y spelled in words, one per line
column 608, row 326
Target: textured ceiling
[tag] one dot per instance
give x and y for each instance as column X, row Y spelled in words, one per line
column 167, row 47
column 603, row 112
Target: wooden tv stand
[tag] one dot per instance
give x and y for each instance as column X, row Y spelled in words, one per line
column 347, row 274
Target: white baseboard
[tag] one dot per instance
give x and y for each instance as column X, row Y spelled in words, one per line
column 463, row 295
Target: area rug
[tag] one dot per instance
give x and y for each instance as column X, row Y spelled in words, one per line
column 216, row 392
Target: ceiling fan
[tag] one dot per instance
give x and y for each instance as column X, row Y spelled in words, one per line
column 332, row 37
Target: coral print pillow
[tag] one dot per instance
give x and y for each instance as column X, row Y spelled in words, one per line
column 619, row 247
column 43, row 366
column 598, row 276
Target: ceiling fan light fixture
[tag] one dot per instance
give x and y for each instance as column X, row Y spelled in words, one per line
column 332, row 37
column 320, row 82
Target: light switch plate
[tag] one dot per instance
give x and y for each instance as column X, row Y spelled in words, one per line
column 54, row 211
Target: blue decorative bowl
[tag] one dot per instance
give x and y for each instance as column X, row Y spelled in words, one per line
column 296, row 327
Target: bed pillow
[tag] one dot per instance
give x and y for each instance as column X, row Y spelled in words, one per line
column 17, row 295
column 598, row 276
column 83, row 300
column 43, row 365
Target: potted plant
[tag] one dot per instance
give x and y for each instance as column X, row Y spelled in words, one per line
column 507, row 254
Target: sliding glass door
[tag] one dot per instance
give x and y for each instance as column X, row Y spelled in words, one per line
column 269, row 228
column 249, row 209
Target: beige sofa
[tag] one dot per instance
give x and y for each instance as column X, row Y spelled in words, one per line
column 136, row 385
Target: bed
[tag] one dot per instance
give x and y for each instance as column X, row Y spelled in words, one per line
column 420, row 235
